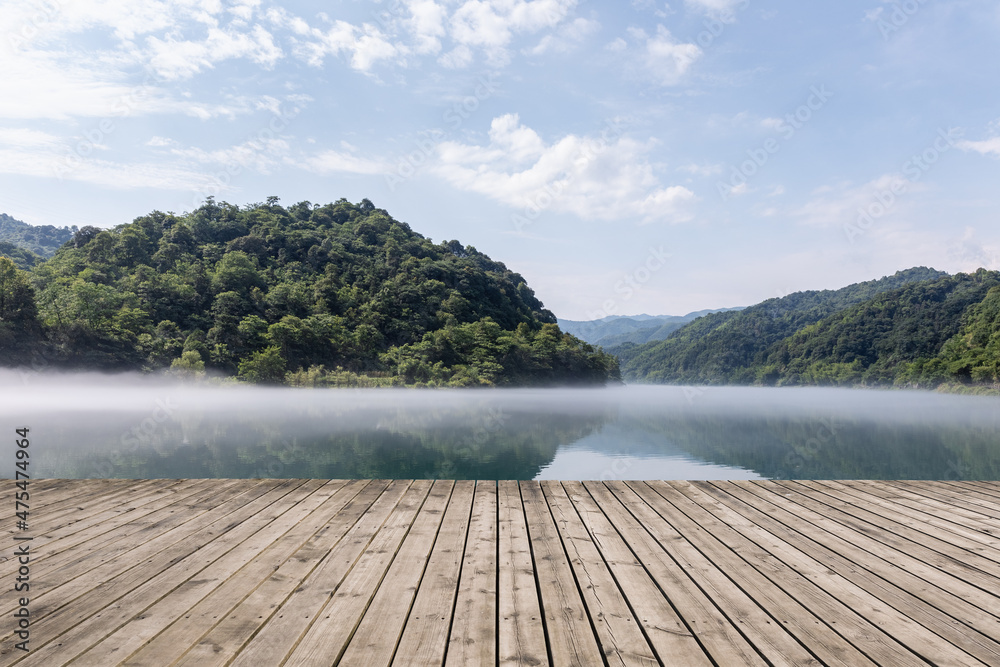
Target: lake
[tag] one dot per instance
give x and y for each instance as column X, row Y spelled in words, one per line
column 134, row 427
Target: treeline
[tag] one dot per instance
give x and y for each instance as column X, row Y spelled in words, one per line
column 917, row 328
column 340, row 294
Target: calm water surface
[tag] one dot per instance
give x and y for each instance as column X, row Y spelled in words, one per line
column 92, row 426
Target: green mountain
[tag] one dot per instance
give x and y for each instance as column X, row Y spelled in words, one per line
column 618, row 329
column 22, row 257
column 898, row 337
column 42, row 240
column 309, row 295
column 732, row 347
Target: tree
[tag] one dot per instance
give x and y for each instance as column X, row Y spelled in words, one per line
column 264, row 367
column 17, row 297
column 188, row 364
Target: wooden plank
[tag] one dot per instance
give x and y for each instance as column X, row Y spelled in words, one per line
column 991, row 489
column 473, row 636
column 925, row 492
column 949, row 494
column 244, row 572
column 50, row 504
column 645, row 533
column 670, row 638
column 620, row 636
column 882, row 632
column 927, row 604
column 197, row 604
column 791, row 571
column 955, row 567
column 106, row 609
column 374, row 642
column 66, row 545
column 521, row 637
column 570, row 636
column 328, row 635
column 82, row 512
column 58, row 497
column 296, row 613
column 66, row 575
column 955, row 515
column 763, row 616
column 222, row 642
column 852, row 511
column 425, row 636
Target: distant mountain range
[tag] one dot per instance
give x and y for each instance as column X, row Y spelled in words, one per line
column 916, row 328
column 618, row 329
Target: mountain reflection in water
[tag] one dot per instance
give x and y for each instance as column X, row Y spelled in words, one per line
column 134, row 427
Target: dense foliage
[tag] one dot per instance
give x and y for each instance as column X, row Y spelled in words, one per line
column 42, row 240
column 312, row 295
column 918, row 328
column 22, row 257
column 894, row 338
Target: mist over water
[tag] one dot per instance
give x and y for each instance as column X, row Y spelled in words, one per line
column 89, row 425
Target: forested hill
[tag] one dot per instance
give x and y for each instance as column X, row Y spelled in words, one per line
column 41, row 240
column 738, row 347
column 340, row 294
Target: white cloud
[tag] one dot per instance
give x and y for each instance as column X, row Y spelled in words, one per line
column 591, row 177
column 884, row 199
column 366, row 45
column 567, row 37
column 23, row 137
column 55, row 163
column 664, row 59
column 243, row 9
column 160, row 142
column 718, row 8
column 701, row 169
column 331, row 161
column 490, row 25
column 740, row 189
column 989, row 146
column 181, row 59
column 459, row 57
column 617, row 45
column 426, row 23
column 970, row 252
column 49, row 74
column 486, row 26
column 260, row 154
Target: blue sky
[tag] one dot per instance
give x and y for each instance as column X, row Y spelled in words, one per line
column 624, row 157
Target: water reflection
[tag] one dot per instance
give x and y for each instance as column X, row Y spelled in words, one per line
column 87, row 426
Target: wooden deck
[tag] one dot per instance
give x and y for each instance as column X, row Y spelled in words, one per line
column 256, row 573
